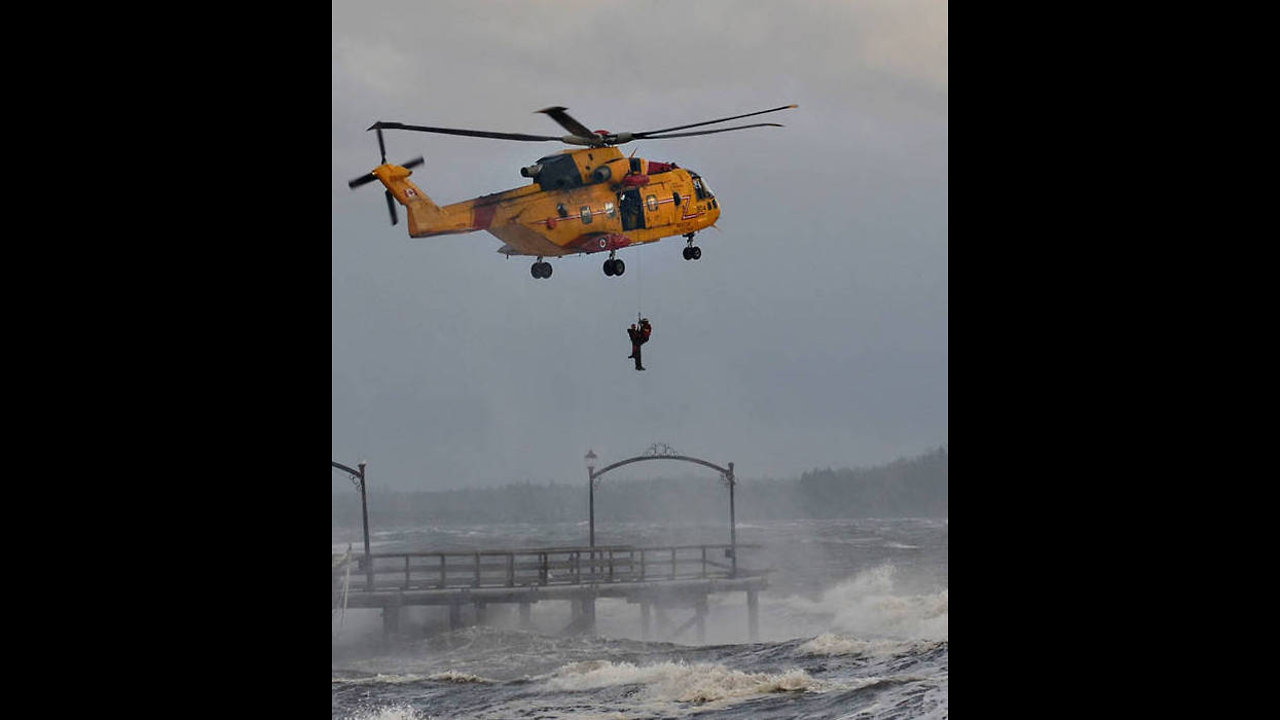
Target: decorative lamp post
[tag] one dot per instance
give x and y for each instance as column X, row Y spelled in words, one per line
column 733, row 527
column 590, row 459
column 358, row 475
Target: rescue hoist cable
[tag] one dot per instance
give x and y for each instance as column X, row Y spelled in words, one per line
column 639, row 286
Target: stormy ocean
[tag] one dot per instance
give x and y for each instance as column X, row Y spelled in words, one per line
column 853, row 625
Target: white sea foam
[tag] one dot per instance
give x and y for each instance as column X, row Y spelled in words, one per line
column 868, row 605
column 831, row 644
column 381, row 679
column 390, row 712
column 677, row 681
column 454, row 676
column 449, row 676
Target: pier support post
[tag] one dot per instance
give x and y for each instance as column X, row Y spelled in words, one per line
column 644, row 621
column 700, row 613
column 589, row 613
column 455, row 616
column 753, row 615
column 390, row 620
column 482, row 613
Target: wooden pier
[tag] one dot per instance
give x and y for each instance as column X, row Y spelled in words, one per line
column 655, row 578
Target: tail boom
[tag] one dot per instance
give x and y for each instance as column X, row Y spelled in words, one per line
column 425, row 217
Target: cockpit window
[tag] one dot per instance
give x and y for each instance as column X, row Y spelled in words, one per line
column 559, row 171
column 700, row 189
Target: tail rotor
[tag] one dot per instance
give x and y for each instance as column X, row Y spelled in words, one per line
column 370, row 177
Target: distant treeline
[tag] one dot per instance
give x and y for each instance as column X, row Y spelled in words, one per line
column 909, row 487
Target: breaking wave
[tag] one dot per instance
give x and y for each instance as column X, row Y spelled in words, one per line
column 869, row 605
column 696, row 683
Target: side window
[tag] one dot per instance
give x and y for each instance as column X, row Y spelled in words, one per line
column 676, row 198
column 610, row 210
column 652, row 202
column 586, row 214
column 697, row 188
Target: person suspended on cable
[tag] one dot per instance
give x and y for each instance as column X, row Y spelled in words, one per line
column 639, row 336
column 634, row 333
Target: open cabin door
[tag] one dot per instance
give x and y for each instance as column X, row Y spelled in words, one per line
column 632, row 207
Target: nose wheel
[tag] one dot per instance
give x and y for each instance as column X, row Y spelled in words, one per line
column 614, row 266
column 691, row 252
column 540, row 269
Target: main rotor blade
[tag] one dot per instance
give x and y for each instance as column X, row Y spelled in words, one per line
column 413, row 163
column 649, row 133
column 558, row 114
column 650, row 136
column 467, row 133
column 391, row 206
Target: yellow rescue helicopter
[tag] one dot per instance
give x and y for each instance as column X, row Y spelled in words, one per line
column 587, row 200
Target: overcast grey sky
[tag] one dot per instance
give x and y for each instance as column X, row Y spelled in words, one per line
column 811, row 334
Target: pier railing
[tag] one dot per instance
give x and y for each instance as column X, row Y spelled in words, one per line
column 546, row 566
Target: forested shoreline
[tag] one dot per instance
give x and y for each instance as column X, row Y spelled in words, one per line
column 907, row 487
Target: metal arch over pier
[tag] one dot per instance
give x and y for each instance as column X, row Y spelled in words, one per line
column 662, row 451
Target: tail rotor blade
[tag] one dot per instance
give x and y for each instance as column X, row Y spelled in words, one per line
column 366, row 179
column 362, row 180
column 391, row 207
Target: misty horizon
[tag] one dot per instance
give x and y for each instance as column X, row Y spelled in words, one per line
column 907, row 487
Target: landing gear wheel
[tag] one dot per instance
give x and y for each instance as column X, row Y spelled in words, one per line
column 608, row 268
column 619, row 267
column 541, row 270
column 691, row 252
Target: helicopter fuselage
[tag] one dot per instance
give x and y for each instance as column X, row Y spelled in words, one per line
column 580, row 201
